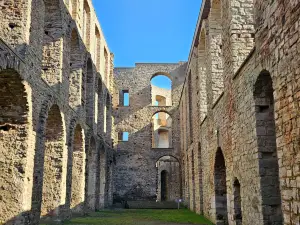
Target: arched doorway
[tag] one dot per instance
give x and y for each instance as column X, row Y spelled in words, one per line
column 168, row 178
column 15, row 147
column 164, row 185
column 220, row 188
column 55, row 164
column 266, row 143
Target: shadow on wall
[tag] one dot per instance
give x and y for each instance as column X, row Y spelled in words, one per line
column 32, row 216
column 136, row 171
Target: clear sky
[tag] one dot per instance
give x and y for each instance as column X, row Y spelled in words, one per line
column 158, row 31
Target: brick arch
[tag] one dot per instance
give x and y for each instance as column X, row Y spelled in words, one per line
column 162, row 74
column 90, row 92
column 237, row 202
column 91, row 174
column 202, row 70
column 52, row 38
column 78, row 170
column 100, row 105
column 107, row 115
column 168, row 187
column 220, row 188
column 267, row 150
column 103, row 163
column 75, row 78
column 51, row 122
column 15, row 121
column 162, row 130
column 76, row 166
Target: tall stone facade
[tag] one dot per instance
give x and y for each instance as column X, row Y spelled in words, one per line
column 139, row 160
column 56, row 79
column 239, row 112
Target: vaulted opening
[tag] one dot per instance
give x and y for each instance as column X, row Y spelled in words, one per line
column 168, row 178
column 237, row 202
column 164, row 185
column 54, row 176
column 266, row 143
column 91, row 175
column 15, row 126
column 78, row 170
column 52, row 42
column 90, row 101
column 86, row 24
column 75, row 79
column 97, row 48
column 100, row 106
column 161, row 90
column 220, row 188
column 107, row 115
column 161, row 130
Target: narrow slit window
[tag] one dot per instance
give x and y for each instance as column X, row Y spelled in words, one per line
column 123, row 136
column 124, row 98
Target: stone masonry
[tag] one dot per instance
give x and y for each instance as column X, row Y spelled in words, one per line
column 225, row 138
column 239, row 112
column 136, row 174
column 56, row 76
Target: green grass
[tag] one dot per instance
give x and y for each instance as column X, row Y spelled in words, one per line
column 140, row 217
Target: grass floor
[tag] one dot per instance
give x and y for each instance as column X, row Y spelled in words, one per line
column 141, row 217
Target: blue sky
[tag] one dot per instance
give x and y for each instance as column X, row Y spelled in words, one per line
column 158, row 31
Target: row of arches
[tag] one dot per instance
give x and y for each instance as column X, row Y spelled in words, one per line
column 268, row 167
column 58, row 170
column 85, row 83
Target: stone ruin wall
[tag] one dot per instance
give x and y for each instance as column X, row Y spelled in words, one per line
column 56, row 74
column 135, row 171
column 240, row 101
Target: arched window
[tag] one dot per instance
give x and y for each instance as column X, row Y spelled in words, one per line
column 90, row 99
column 52, row 38
column 168, row 178
column 107, row 115
column 86, row 24
column 161, row 130
column 75, row 79
column 97, row 48
column 266, row 143
column 215, row 56
column 161, row 90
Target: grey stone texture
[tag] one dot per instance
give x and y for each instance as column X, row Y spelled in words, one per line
column 136, row 174
column 55, row 79
column 239, row 113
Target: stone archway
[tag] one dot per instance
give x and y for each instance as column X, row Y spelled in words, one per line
column 55, row 166
column 220, row 189
column 266, row 143
column 91, row 174
column 78, row 170
column 168, row 178
column 15, row 147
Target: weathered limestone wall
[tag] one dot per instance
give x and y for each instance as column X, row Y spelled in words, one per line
column 45, row 142
column 135, row 172
column 251, row 128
